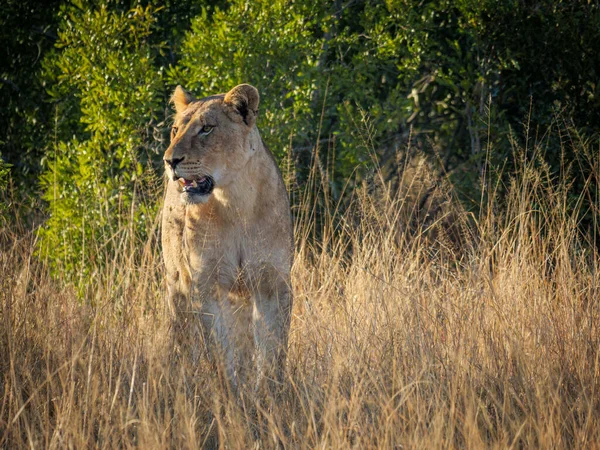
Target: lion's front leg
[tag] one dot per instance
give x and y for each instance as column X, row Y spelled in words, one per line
column 182, row 328
column 271, row 322
column 218, row 325
column 178, row 289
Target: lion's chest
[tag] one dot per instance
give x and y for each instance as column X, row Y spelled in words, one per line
column 222, row 259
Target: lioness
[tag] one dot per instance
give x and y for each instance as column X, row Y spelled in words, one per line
column 227, row 231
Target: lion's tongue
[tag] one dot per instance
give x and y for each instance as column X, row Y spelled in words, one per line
column 191, row 183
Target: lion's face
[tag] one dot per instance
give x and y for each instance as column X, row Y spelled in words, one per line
column 209, row 140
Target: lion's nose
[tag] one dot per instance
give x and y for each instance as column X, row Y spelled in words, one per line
column 173, row 162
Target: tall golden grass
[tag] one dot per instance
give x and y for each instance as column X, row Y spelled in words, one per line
column 416, row 325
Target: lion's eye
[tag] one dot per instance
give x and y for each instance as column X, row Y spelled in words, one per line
column 174, row 131
column 206, row 129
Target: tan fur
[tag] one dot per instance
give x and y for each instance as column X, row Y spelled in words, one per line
column 228, row 254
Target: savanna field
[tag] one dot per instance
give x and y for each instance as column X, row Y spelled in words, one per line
column 443, row 166
column 454, row 331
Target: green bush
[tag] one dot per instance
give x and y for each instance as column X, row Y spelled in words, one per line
column 103, row 78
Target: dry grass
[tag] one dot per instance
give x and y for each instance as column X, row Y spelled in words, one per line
column 402, row 337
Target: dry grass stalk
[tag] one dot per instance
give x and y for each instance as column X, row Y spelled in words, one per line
column 400, row 339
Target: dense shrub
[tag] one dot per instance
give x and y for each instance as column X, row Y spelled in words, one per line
column 95, row 183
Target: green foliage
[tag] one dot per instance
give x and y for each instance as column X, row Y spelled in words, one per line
column 456, row 76
column 95, row 182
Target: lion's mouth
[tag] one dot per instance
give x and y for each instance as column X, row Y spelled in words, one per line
column 201, row 186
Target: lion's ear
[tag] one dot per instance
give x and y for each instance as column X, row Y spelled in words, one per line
column 244, row 98
column 181, row 99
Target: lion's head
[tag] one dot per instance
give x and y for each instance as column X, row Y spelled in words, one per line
column 209, row 140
